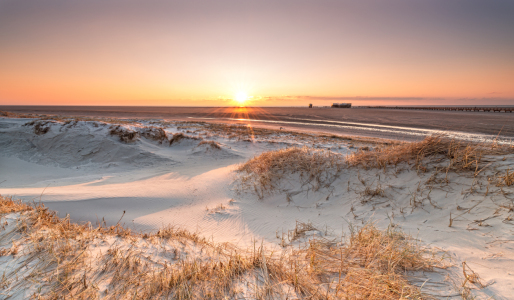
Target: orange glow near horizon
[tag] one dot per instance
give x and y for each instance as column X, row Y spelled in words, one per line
column 255, row 53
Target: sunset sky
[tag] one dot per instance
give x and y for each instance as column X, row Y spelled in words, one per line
column 275, row 53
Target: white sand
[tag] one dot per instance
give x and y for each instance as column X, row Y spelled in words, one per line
column 82, row 170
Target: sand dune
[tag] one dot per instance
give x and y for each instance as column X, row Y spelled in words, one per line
column 83, row 169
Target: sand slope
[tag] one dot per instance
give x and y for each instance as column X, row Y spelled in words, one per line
column 85, row 171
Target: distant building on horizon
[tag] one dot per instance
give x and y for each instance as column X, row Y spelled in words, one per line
column 342, row 105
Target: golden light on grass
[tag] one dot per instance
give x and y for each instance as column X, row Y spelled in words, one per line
column 263, row 173
column 60, row 259
column 461, row 155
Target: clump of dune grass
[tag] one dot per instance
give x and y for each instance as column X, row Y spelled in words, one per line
column 299, row 231
column 8, row 205
column 179, row 137
column 218, row 209
column 264, row 172
column 59, row 259
column 7, row 114
column 40, row 127
column 126, row 135
column 507, row 179
column 371, row 192
column 154, row 133
column 373, row 262
column 211, row 144
column 460, row 155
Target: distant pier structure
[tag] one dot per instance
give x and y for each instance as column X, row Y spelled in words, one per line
column 342, row 105
column 457, row 108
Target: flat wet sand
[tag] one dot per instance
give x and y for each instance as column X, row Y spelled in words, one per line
column 370, row 122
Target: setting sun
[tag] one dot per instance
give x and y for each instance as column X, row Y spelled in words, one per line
column 241, row 97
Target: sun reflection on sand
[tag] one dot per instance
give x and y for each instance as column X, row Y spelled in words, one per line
column 242, row 113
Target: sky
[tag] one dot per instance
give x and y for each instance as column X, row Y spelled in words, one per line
column 267, row 52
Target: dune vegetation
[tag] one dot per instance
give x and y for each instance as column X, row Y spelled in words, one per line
column 47, row 257
column 264, row 172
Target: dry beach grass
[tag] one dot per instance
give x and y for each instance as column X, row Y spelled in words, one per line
column 264, row 172
column 56, row 259
column 460, row 155
column 440, row 163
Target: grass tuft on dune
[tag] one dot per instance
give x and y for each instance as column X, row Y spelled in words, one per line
column 212, row 144
column 264, row 172
column 52, row 258
column 460, row 155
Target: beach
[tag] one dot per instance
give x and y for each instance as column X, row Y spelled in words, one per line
column 261, row 150
column 187, row 172
column 370, row 122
